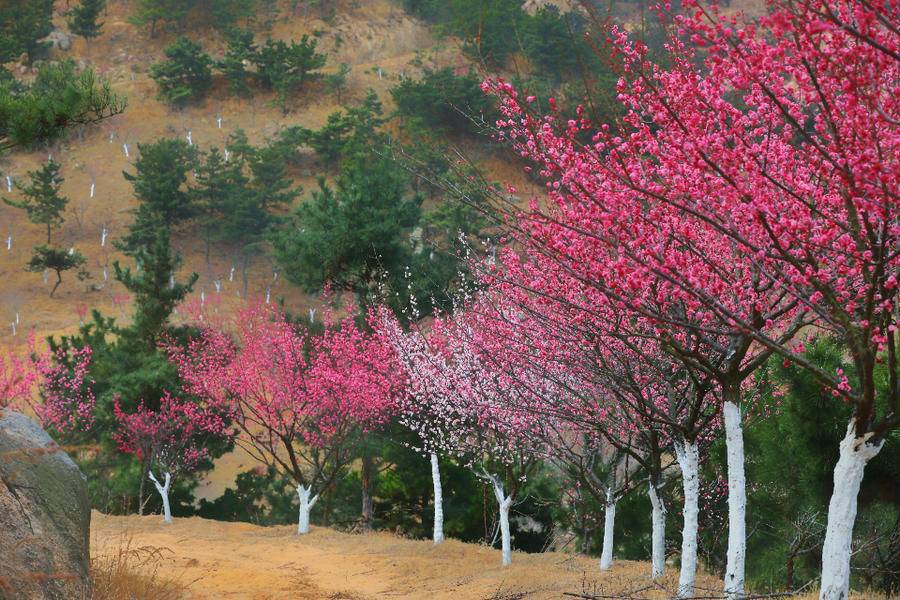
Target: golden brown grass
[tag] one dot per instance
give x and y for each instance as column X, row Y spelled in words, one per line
column 129, row 571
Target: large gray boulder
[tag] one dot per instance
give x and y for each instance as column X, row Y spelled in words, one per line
column 45, row 516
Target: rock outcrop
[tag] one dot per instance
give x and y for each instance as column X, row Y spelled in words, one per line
column 45, row 516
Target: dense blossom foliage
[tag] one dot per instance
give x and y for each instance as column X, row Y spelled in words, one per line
column 174, row 435
column 16, row 380
column 67, row 399
column 300, row 400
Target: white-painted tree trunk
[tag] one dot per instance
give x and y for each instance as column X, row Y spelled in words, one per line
column 689, row 461
column 163, row 490
column 505, row 503
column 658, row 537
column 306, row 504
column 855, row 452
column 609, row 525
column 737, row 502
column 438, row 500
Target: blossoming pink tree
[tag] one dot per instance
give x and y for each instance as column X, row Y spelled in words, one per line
column 754, row 182
column 16, row 380
column 301, row 402
column 67, row 402
column 172, row 437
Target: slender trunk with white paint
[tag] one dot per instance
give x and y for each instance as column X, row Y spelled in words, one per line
column 609, row 525
column 689, row 461
column 658, row 537
column 438, row 500
column 737, row 502
column 505, row 503
column 855, row 452
column 163, row 490
column 306, row 504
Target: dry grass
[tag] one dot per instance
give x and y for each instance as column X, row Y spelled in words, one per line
column 129, row 571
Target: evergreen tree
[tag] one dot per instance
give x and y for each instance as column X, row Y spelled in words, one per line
column 239, row 53
column 153, row 11
column 83, row 19
column 271, row 183
column 225, row 13
column 22, row 24
column 160, row 185
column 47, row 258
column 155, row 293
column 350, row 234
column 43, row 202
column 58, row 98
column 186, row 75
column 222, row 198
column 287, row 67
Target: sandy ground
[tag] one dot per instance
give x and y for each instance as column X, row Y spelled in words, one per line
column 239, row 560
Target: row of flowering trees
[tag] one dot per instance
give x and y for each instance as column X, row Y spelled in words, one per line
column 746, row 201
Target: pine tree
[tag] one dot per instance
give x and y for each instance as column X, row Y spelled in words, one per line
column 155, row 296
column 186, row 75
column 152, row 11
column 240, row 51
column 222, row 198
column 160, row 184
column 47, row 258
column 22, row 24
column 43, row 202
column 83, row 19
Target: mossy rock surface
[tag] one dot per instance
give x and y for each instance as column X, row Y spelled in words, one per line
column 45, row 516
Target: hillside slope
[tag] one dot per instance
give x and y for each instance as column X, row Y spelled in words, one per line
column 239, row 560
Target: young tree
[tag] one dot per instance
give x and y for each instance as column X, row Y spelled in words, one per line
column 58, row 260
column 186, row 74
column 67, row 400
column 286, row 67
column 153, row 11
column 238, row 54
column 173, row 437
column 42, row 200
column 160, row 184
column 16, row 380
column 226, row 205
column 301, row 402
column 337, row 81
column 83, row 19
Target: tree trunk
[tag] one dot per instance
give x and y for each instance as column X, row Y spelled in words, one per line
column 56, row 285
column 658, row 544
column 737, row 501
column 609, row 525
column 689, row 461
column 306, row 504
column 855, row 452
column 366, row 477
column 505, row 503
column 438, row 500
column 163, row 490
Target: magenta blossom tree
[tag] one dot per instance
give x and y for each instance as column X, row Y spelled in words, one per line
column 750, row 187
column 172, row 438
column 301, row 402
column 17, row 380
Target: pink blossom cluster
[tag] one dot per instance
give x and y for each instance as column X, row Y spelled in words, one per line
column 67, row 399
column 173, row 434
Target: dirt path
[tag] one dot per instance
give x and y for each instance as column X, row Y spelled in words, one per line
column 239, row 560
